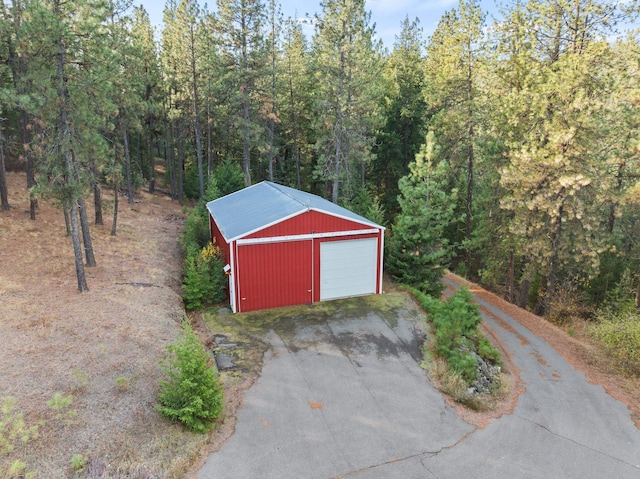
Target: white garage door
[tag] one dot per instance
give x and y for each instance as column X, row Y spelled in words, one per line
column 348, row 268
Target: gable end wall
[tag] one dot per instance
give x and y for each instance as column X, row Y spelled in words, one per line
column 307, row 223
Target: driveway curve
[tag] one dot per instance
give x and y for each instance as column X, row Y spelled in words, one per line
column 346, row 398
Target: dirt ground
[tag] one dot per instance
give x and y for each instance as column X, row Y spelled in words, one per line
column 100, row 349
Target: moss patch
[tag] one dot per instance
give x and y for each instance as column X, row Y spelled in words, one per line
column 248, row 329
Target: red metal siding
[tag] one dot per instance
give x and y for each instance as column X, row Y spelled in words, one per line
column 308, row 222
column 274, row 274
column 219, row 239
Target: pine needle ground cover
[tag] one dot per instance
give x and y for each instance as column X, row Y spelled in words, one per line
column 98, row 352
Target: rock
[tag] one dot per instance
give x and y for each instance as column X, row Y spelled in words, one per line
column 487, row 376
column 224, row 361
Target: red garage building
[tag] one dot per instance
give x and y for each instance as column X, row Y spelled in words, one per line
column 286, row 247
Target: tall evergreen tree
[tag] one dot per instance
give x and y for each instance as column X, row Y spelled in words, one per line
column 347, row 65
column 14, row 40
column 404, row 113
column 418, row 251
column 244, row 58
column 454, row 56
column 148, row 69
column 561, row 159
column 296, row 106
column 64, row 78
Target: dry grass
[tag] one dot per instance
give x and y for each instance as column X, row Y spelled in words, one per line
column 100, row 348
column 451, row 383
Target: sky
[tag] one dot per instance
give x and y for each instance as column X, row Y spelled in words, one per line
column 387, row 15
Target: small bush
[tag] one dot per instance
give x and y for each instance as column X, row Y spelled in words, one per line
column 204, row 279
column 196, row 231
column 122, row 383
column 79, row 462
column 193, row 393
column 62, row 405
column 456, row 336
column 620, row 334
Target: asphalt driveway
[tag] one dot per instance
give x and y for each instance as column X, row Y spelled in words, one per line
column 346, row 397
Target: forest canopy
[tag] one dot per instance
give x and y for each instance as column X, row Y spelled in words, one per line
column 507, row 150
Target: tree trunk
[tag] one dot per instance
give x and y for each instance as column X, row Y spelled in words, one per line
column 31, row 177
column 525, row 287
column 140, row 163
column 64, row 133
column 338, row 152
column 114, row 223
column 511, row 277
column 152, row 159
column 4, row 192
column 209, row 132
column 170, row 157
column 614, row 205
column 86, row 233
column 470, row 163
column 180, row 167
column 97, row 193
column 271, row 126
column 196, row 116
column 97, row 203
column 296, row 152
column 77, row 248
column 246, row 147
column 552, row 278
column 127, row 161
column 542, row 306
column 67, row 221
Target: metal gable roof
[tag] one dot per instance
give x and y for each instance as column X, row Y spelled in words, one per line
column 266, row 203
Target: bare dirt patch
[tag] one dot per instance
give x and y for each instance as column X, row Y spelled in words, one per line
column 101, row 348
column 579, row 351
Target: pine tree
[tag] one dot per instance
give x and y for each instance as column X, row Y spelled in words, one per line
column 17, row 95
column 148, row 69
column 296, row 105
column 562, row 150
column 454, row 56
column 66, row 78
column 243, row 60
column 404, row 113
column 418, row 251
column 347, row 66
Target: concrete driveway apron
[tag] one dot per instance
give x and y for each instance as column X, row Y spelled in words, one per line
column 337, row 398
column 347, row 398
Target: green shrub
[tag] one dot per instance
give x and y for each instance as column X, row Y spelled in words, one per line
column 488, row 352
column 191, row 182
column 195, row 235
column 620, row 333
column 456, row 336
column 204, row 279
column 122, row 383
column 79, row 462
column 229, row 177
column 193, row 393
column 462, row 362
